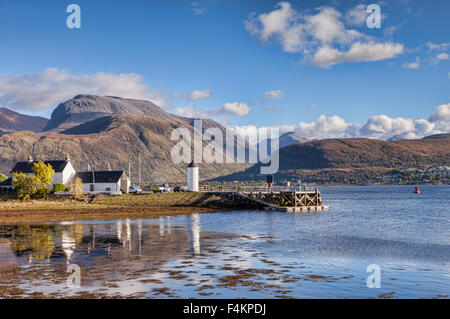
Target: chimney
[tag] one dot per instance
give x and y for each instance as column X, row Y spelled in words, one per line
column 30, row 159
column 68, row 158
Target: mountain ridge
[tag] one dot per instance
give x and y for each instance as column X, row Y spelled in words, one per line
column 11, row 121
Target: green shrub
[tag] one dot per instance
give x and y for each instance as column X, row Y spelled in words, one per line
column 59, row 187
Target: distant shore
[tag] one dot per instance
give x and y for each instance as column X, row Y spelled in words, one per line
column 106, row 207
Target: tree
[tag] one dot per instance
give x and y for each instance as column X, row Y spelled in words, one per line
column 3, row 177
column 26, row 186
column 76, row 188
column 44, row 174
column 36, row 186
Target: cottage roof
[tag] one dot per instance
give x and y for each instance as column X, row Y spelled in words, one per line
column 99, row 176
column 26, row 166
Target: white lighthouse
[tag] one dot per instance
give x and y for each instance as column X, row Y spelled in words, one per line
column 193, row 177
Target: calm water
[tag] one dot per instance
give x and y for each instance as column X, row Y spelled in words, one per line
column 245, row 254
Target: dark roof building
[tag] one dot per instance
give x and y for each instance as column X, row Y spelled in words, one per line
column 6, row 183
column 99, row 177
column 26, row 166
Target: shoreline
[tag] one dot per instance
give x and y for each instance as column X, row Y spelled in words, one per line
column 107, row 213
column 107, row 207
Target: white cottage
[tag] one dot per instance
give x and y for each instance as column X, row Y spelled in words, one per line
column 110, row 182
column 64, row 170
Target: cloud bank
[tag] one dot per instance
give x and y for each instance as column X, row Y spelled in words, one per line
column 40, row 91
column 321, row 37
column 378, row 126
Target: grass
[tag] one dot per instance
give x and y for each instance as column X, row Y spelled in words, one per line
column 150, row 200
column 105, row 207
column 106, row 201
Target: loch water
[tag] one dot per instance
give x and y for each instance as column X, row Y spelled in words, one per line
column 243, row 254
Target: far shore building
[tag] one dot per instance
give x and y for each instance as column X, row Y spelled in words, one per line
column 64, row 170
column 111, row 182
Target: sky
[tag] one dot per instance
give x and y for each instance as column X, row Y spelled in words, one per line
column 309, row 66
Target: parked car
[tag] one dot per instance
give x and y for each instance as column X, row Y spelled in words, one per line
column 180, row 189
column 134, row 189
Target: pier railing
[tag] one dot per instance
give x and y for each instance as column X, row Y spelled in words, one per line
column 262, row 189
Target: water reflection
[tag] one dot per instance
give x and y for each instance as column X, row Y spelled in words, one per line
column 69, row 242
column 194, row 233
column 239, row 254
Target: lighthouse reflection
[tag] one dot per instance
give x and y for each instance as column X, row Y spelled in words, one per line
column 65, row 243
column 194, row 233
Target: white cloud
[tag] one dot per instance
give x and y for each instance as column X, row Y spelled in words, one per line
column 413, row 65
column 252, row 130
column 379, row 126
column 442, row 56
column 270, row 108
column 436, row 46
column 198, row 9
column 200, row 94
column 358, row 52
column 312, row 106
column 441, row 118
column 270, row 95
column 321, row 37
column 357, row 15
column 327, row 27
column 325, row 127
column 236, row 108
column 40, row 91
column 192, row 112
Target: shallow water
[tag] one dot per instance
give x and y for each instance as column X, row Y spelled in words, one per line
column 252, row 254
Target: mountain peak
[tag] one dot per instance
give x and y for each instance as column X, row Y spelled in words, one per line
column 85, row 107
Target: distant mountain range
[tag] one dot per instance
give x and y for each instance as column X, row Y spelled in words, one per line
column 350, row 160
column 11, row 121
column 97, row 130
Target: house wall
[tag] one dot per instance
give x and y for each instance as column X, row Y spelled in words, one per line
column 57, row 178
column 67, row 174
column 62, row 177
column 101, row 187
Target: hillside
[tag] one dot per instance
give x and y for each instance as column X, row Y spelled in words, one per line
column 84, row 108
column 116, row 139
column 11, row 121
column 339, row 159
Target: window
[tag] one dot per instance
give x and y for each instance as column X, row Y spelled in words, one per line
column 92, row 188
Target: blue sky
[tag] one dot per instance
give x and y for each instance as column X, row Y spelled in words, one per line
column 225, row 49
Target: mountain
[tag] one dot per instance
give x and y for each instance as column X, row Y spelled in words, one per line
column 83, row 108
column 396, row 138
column 439, row 136
column 284, row 140
column 341, row 159
column 291, row 138
column 11, row 121
column 80, row 128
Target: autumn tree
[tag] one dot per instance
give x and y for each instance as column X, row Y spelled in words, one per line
column 3, row 177
column 37, row 185
column 44, row 174
column 76, row 187
column 25, row 185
